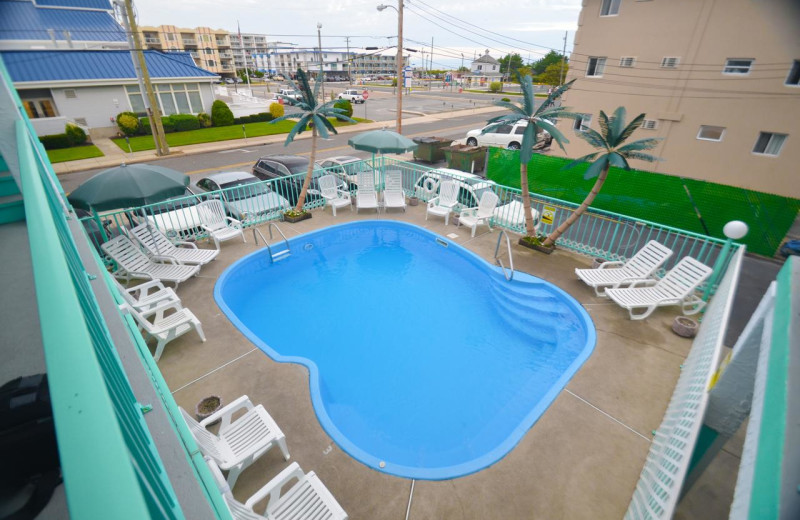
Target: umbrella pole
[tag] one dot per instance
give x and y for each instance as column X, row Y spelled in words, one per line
column 96, row 218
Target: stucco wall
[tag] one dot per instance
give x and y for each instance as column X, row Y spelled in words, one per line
column 97, row 105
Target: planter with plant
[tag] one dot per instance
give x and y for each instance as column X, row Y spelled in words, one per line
column 536, row 243
column 207, row 406
column 291, row 216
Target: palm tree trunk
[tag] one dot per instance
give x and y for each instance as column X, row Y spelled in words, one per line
column 552, row 237
column 526, row 199
column 301, row 199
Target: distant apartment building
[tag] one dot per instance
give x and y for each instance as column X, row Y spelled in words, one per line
column 718, row 82
column 211, row 49
column 249, row 47
column 335, row 64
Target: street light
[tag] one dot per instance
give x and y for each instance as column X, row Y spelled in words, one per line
column 321, row 73
column 733, row 230
column 400, row 82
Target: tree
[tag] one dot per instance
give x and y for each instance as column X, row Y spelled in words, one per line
column 613, row 152
column 463, row 69
column 543, row 117
column 516, row 62
column 552, row 74
column 221, row 114
column 540, row 65
column 312, row 112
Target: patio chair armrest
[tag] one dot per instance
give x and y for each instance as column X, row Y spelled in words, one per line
column 632, row 281
column 144, row 288
column 468, row 212
column 161, row 307
column 609, row 264
column 645, row 282
column 185, row 244
column 234, row 221
column 312, row 191
column 274, row 487
column 166, row 258
column 433, row 202
column 227, row 411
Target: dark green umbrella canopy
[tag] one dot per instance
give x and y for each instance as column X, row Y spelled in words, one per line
column 382, row 141
column 128, row 186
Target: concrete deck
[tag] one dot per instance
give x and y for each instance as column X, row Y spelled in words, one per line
column 582, row 459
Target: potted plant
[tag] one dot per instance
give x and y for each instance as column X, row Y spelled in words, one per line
column 207, row 406
column 291, row 216
column 537, row 243
column 413, row 201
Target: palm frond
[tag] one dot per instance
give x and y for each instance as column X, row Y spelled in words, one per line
column 632, row 127
column 528, row 96
column 641, row 144
column 643, row 157
column 596, row 167
column 557, row 135
column 305, row 89
column 616, row 125
column 602, row 121
column 616, row 159
column 317, row 84
column 582, row 160
column 556, row 113
column 329, row 125
column 319, row 125
column 296, row 115
column 528, row 140
column 299, row 128
column 594, row 138
column 557, row 93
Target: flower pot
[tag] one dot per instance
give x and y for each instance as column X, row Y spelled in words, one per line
column 596, row 262
column 207, row 406
column 413, row 201
column 684, row 327
column 297, row 218
column 537, row 247
column 454, row 219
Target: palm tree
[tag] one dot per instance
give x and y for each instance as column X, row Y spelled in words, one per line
column 544, row 118
column 612, row 153
column 315, row 114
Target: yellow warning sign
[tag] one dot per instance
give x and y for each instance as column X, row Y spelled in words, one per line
column 548, row 214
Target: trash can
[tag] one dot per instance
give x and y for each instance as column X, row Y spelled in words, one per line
column 429, row 149
column 465, row 158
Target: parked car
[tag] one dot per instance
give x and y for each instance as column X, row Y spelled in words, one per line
column 347, row 167
column 244, row 195
column 278, row 77
column 176, row 217
column 471, row 186
column 505, row 136
column 289, row 95
column 352, row 95
column 286, row 172
column 229, row 81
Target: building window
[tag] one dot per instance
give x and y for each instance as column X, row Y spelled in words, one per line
column 596, row 66
column 711, row 133
column 36, row 108
column 180, row 98
column 670, row 62
column 582, row 123
column 609, row 8
column 480, row 67
column 649, row 124
column 738, row 66
column 627, row 61
column 769, row 143
column 793, row 80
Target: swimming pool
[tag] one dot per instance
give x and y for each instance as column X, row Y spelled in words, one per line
column 424, row 361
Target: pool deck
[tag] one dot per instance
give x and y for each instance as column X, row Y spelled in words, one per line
column 582, row 459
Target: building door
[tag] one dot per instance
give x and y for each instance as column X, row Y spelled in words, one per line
column 37, row 108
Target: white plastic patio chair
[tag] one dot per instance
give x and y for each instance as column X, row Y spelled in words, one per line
column 147, row 295
column 641, row 266
column 240, row 442
column 165, row 326
column 676, row 288
column 334, row 196
column 483, row 214
column 366, row 196
column 156, row 243
column 307, row 499
column 512, row 215
column 133, row 263
column 393, row 194
column 220, row 226
column 445, row 202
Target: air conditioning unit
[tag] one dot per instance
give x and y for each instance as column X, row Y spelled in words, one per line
column 627, row 61
column 670, row 62
column 649, row 124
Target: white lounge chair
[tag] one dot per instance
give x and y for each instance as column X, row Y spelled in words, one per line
column 147, row 295
column 133, row 263
column 366, row 196
column 156, row 243
column 483, row 214
column 676, row 288
column 512, row 215
column 640, row 266
column 240, row 442
column 165, row 326
column 220, row 226
column 334, row 196
column 393, row 194
column 445, row 202
column 306, row 499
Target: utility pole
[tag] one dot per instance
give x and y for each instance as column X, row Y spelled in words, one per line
column 430, row 69
column 321, row 72
column 563, row 58
column 400, row 82
column 349, row 63
column 145, row 87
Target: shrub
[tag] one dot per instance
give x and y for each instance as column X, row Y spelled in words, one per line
column 346, row 105
column 144, row 126
column 167, row 124
column 495, row 86
column 128, row 123
column 204, row 119
column 184, row 122
column 261, row 117
column 276, row 109
column 394, row 82
column 55, row 141
column 75, row 134
column 221, row 115
column 507, row 100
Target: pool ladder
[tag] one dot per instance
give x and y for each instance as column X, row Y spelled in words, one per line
column 508, row 273
column 280, row 254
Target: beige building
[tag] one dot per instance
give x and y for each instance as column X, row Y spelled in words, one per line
column 719, row 82
column 210, row 48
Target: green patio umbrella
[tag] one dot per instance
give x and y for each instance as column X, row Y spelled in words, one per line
column 128, row 186
column 382, row 141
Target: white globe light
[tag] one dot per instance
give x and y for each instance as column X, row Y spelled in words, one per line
column 735, row 229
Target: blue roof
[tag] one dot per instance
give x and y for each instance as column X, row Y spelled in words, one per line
column 25, row 21
column 95, row 65
column 83, row 4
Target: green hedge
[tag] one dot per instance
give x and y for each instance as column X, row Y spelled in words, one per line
column 55, row 141
column 261, row 117
column 183, row 122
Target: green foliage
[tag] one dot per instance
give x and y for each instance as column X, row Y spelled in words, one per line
column 276, row 109
column 345, row 105
column 516, row 62
column 394, row 82
column 221, row 114
column 144, row 126
column 55, row 141
column 183, row 122
column 507, row 100
column 128, row 123
column 167, row 125
column 463, row 69
column 204, row 119
column 495, row 86
column 552, row 74
column 552, row 57
column 261, row 117
column 75, row 134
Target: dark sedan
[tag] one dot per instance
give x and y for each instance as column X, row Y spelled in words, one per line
column 287, row 172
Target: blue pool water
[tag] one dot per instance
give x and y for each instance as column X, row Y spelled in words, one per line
column 424, row 361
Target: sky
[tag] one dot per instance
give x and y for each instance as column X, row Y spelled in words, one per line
column 527, row 27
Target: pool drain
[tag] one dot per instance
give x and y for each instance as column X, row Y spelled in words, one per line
column 308, row 247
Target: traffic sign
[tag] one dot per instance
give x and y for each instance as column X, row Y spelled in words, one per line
column 365, row 94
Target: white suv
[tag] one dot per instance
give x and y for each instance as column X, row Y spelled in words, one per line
column 506, row 135
column 353, row 95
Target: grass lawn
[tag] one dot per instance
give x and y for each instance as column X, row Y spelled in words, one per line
column 213, row 134
column 74, row 153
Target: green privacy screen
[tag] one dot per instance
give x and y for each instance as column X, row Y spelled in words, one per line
column 664, row 199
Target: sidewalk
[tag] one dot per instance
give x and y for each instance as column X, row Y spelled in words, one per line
column 114, row 156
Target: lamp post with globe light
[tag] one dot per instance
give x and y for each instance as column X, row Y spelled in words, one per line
column 733, row 230
column 400, row 82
